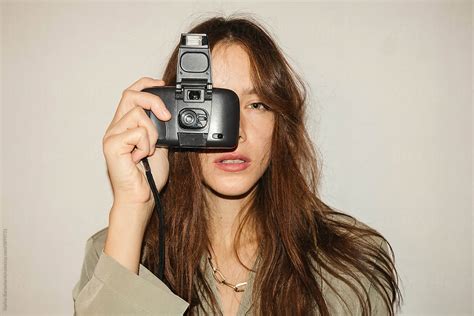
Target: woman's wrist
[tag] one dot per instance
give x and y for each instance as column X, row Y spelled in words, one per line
column 132, row 217
column 125, row 233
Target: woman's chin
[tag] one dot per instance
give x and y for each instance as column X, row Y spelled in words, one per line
column 230, row 190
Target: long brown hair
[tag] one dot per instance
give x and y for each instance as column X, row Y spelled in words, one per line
column 299, row 236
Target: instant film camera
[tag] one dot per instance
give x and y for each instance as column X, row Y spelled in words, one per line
column 201, row 116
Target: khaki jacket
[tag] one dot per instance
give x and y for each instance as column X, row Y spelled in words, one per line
column 106, row 287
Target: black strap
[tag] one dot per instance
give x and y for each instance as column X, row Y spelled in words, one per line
column 159, row 210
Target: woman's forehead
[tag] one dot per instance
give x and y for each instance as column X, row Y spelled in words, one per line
column 231, row 68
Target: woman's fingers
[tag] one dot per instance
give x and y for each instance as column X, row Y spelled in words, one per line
column 131, row 99
column 145, row 82
column 125, row 142
column 136, row 117
column 130, row 111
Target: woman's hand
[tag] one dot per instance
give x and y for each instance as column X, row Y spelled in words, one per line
column 130, row 137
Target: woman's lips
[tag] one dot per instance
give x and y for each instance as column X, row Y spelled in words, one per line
column 232, row 162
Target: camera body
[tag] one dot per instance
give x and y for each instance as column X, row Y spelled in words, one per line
column 201, row 116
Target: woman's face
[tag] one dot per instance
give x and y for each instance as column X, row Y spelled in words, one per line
column 235, row 173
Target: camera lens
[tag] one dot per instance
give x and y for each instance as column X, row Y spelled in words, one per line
column 188, row 118
column 194, row 94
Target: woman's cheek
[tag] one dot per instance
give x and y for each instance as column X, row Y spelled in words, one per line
column 263, row 122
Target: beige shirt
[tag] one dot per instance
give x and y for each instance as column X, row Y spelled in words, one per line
column 106, row 287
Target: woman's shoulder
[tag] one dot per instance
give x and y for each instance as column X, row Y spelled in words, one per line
column 343, row 217
column 369, row 242
column 353, row 225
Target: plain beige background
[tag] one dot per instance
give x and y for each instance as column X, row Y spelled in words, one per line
column 391, row 112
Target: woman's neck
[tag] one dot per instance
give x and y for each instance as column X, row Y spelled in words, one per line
column 226, row 214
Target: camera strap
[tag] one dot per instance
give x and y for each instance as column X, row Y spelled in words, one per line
column 158, row 210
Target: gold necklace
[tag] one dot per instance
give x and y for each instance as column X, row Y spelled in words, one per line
column 239, row 287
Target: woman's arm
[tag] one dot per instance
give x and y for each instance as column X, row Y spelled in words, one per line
column 106, row 287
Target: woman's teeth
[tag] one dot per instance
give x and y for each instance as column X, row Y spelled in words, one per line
column 233, row 161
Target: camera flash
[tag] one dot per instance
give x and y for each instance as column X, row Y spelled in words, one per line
column 193, row 40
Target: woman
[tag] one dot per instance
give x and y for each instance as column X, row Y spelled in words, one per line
column 245, row 230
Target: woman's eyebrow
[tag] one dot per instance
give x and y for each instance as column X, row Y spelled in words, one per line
column 250, row 91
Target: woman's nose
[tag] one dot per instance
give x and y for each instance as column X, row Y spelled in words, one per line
column 242, row 134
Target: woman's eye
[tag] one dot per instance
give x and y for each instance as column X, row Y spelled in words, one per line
column 258, row 106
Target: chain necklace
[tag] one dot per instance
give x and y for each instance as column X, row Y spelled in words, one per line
column 239, row 287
